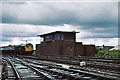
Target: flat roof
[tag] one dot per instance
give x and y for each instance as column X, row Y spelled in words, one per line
column 42, row 35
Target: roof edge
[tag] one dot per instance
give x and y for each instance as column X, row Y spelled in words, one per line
column 57, row 32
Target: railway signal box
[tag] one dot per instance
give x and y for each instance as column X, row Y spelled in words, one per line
column 61, row 43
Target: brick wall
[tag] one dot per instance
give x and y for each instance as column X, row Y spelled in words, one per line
column 79, row 49
column 68, row 48
column 89, row 50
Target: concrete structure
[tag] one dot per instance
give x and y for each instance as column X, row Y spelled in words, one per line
column 63, row 43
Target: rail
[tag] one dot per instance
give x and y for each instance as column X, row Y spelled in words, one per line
column 14, row 69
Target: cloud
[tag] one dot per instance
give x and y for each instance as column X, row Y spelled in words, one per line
column 19, row 33
column 26, row 30
column 87, row 35
column 90, row 16
column 54, row 13
column 25, row 20
column 100, row 41
column 15, row 35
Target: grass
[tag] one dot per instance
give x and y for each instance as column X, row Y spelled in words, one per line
column 103, row 52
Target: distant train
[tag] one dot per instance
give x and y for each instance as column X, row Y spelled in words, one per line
column 23, row 49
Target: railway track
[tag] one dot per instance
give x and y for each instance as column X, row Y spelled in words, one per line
column 17, row 70
column 86, row 69
column 12, row 71
column 33, row 70
column 106, row 64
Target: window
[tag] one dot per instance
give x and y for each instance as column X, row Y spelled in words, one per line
column 58, row 37
column 48, row 38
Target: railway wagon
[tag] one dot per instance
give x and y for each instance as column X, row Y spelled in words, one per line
column 26, row 49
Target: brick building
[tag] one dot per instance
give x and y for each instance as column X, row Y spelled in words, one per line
column 63, row 43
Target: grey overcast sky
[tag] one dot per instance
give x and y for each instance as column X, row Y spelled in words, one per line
column 97, row 21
